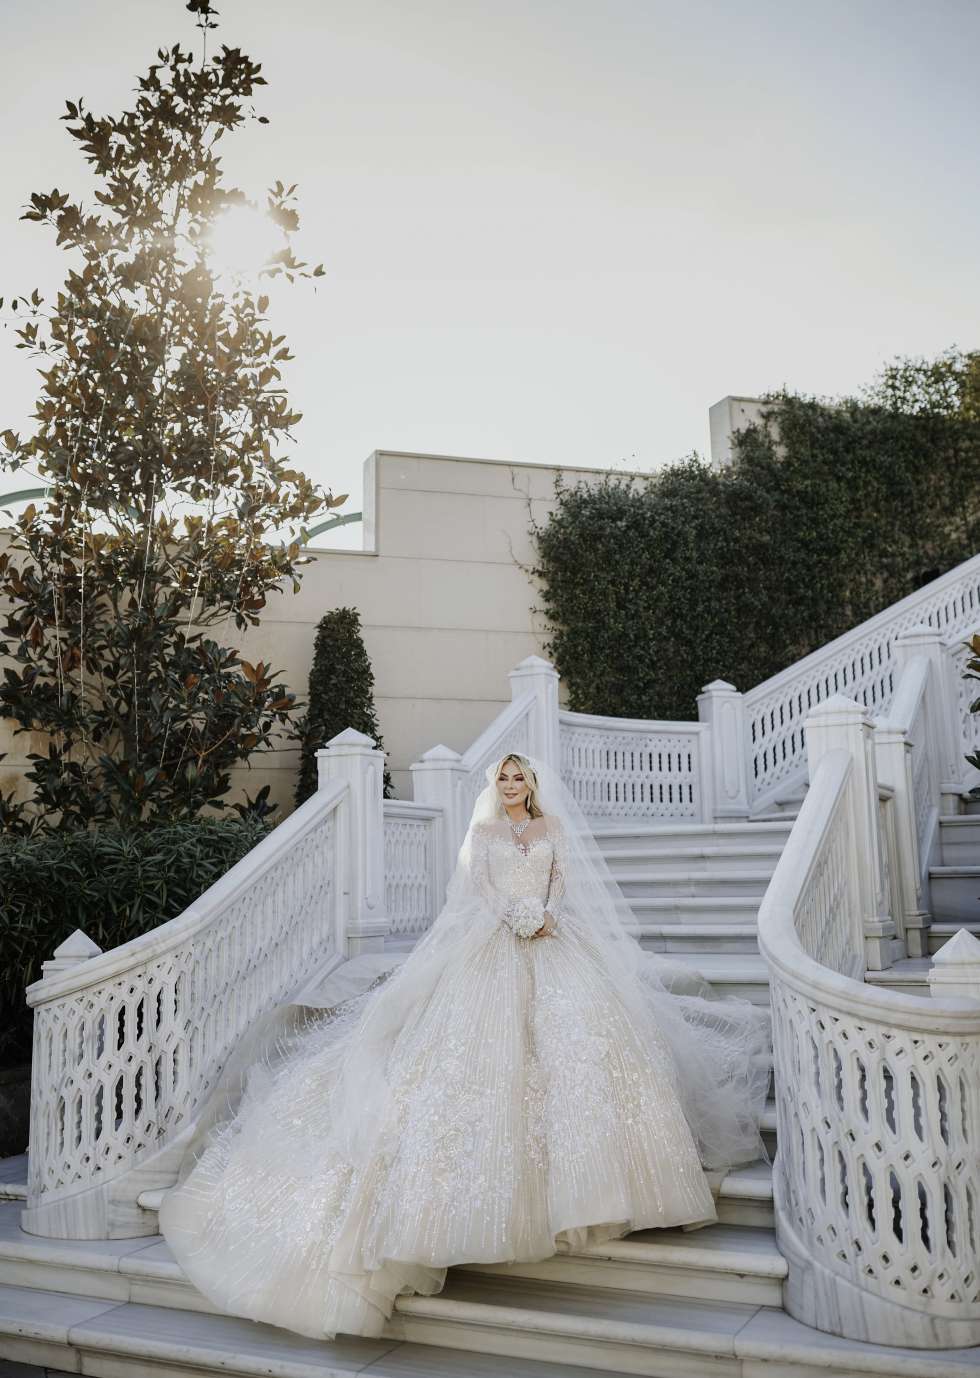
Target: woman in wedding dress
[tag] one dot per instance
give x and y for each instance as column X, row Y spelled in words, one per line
column 526, row 1079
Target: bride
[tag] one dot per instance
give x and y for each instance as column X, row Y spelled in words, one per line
column 528, row 1078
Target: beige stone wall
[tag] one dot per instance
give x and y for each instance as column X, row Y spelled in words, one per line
column 444, row 604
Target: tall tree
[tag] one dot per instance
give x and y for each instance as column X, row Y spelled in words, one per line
column 171, row 513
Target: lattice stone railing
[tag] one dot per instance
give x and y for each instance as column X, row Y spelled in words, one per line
column 859, row 664
column 877, row 1179
column 626, row 768
column 412, row 869
column 128, row 1044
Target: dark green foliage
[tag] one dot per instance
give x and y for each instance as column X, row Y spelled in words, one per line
column 341, row 694
column 113, row 883
column 973, row 672
column 653, row 587
column 159, row 436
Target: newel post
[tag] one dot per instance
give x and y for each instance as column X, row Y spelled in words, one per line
column 839, row 724
column 435, row 780
column 722, row 708
column 352, row 757
column 541, row 677
column 945, row 749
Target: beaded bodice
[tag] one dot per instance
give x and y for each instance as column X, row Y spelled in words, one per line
column 504, row 871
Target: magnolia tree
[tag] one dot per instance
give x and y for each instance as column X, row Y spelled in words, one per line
column 170, row 514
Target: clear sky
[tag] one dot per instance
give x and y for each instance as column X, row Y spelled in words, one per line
column 557, row 231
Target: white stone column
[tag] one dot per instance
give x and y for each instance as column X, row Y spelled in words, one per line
column 435, row 780
column 540, row 675
column 955, row 970
column 352, row 757
column 945, row 748
column 843, row 724
column 722, row 707
column 893, row 759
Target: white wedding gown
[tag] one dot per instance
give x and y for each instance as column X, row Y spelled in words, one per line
column 520, row 1100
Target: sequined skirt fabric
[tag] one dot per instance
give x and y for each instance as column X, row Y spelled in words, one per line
column 525, row 1104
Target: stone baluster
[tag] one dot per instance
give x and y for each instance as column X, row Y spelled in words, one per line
column 893, row 759
column 353, row 758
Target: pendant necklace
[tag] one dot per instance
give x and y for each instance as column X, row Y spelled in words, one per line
column 517, row 829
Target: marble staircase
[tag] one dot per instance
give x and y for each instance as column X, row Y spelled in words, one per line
column 674, row 1303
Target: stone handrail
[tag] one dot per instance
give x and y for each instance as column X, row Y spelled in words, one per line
column 877, row 1178
column 129, row 1043
column 860, row 664
column 637, row 769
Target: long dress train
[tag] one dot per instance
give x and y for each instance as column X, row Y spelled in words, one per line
column 522, row 1095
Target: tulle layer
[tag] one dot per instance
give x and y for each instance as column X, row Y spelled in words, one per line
column 527, row 1106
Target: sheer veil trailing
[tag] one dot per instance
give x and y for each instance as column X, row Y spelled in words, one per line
column 721, row 1047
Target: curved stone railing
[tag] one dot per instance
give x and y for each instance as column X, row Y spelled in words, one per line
column 859, row 664
column 877, row 1178
column 129, row 1043
column 636, row 769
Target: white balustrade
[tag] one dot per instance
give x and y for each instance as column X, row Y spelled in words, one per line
column 859, row 664
column 631, row 768
column 413, row 866
column 129, row 1043
column 877, row 1177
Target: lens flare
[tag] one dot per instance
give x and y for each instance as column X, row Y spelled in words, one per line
column 242, row 240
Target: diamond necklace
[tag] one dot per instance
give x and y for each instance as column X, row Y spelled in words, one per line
column 518, row 828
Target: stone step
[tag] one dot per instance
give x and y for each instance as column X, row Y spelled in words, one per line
column 940, row 933
column 542, row 1330
column 623, row 836
column 695, row 909
column 741, row 974
column 761, row 858
column 959, row 840
column 718, row 1263
column 656, row 882
column 954, row 892
column 13, row 1178
column 909, row 976
column 723, row 1262
column 699, row 937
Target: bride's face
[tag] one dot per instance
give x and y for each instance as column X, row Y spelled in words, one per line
column 512, row 785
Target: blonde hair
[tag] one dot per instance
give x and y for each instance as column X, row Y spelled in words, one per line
column 524, row 765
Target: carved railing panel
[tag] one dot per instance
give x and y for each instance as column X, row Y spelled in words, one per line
column 410, row 867
column 644, row 770
column 129, row 1045
column 877, row 1178
column 859, row 664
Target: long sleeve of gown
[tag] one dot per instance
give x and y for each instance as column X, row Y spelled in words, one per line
column 555, row 902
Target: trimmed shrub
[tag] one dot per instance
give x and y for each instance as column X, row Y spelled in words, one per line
column 341, row 694
column 654, row 586
column 114, row 883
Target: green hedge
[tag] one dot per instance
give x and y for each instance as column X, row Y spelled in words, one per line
column 113, row 883
column 652, row 587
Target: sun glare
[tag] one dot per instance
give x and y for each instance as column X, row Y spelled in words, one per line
column 242, row 240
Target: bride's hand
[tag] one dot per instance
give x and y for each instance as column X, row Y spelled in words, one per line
column 547, row 929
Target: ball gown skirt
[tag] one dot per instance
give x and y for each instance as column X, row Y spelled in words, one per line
column 523, row 1105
